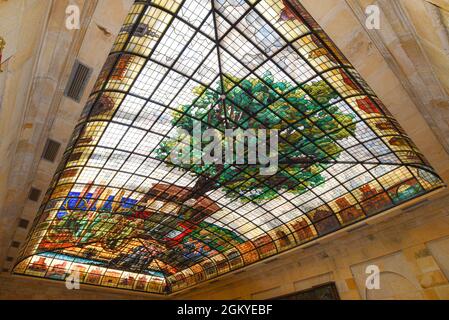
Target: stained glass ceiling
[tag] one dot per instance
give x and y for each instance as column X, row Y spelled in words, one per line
column 122, row 213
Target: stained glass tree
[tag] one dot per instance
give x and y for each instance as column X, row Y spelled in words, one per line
column 261, row 104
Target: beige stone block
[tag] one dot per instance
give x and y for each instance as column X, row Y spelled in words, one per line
column 350, row 295
column 427, row 264
column 432, row 279
column 430, row 294
column 442, row 292
column 351, row 284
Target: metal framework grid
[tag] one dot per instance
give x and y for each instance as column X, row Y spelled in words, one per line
column 120, row 213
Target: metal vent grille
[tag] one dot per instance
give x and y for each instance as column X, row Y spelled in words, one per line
column 51, row 150
column 34, row 194
column 23, row 223
column 15, row 244
column 77, row 82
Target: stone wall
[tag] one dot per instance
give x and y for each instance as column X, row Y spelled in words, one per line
column 27, row 19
